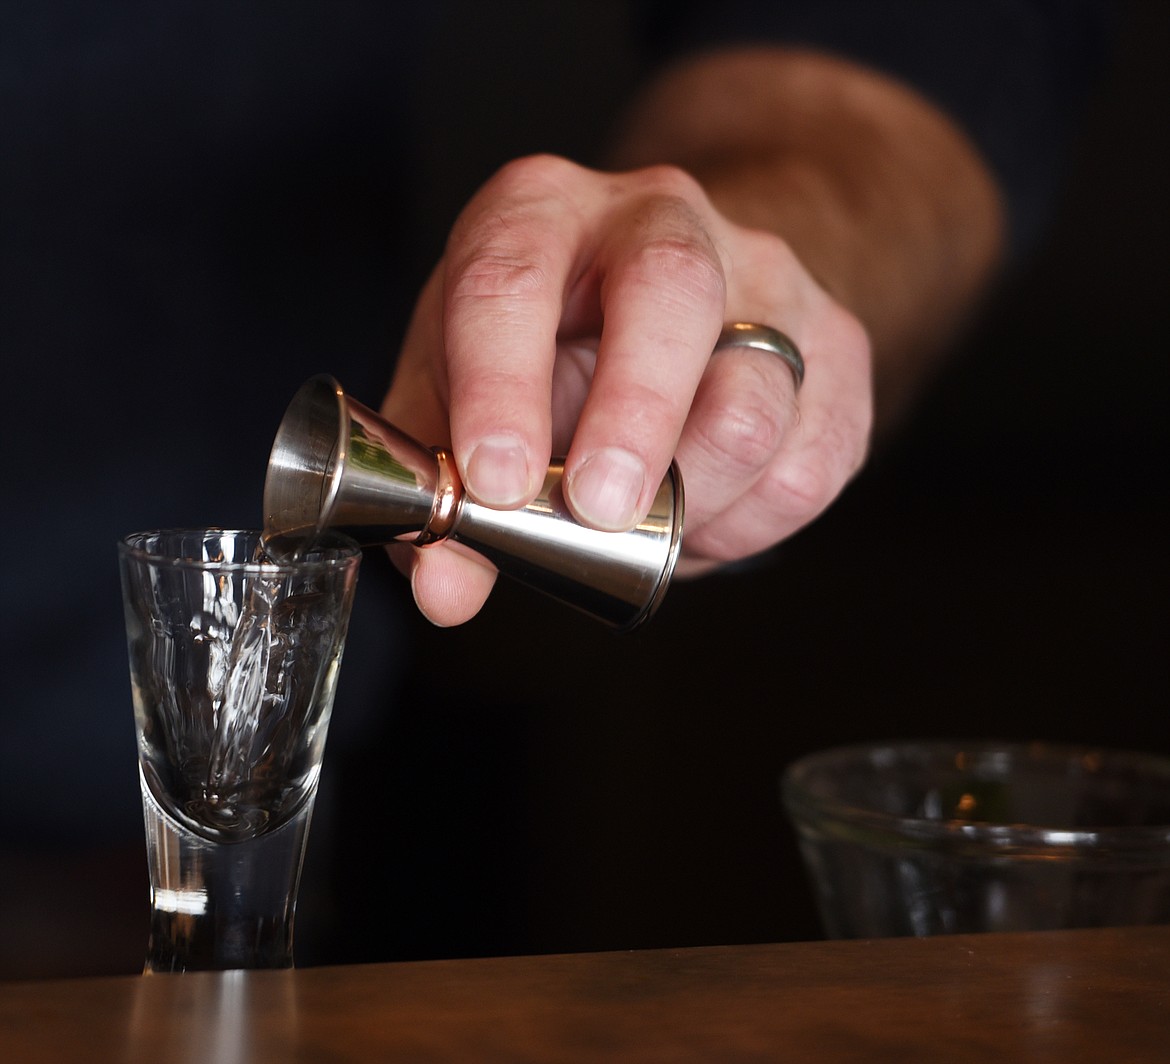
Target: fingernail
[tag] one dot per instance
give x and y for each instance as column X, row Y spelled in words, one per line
column 497, row 471
column 606, row 488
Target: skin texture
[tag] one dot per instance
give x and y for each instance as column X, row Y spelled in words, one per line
column 575, row 311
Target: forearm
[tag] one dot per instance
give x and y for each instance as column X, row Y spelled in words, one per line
column 881, row 196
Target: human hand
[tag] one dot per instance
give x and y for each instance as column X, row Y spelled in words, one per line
column 576, row 311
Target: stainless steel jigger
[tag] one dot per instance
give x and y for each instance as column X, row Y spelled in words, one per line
column 337, row 464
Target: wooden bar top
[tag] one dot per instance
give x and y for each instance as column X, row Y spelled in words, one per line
column 1065, row 996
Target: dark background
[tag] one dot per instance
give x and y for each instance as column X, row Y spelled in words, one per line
column 1000, row 570
column 536, row 784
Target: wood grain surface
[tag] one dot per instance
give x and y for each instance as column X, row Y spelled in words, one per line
column 1099, row 995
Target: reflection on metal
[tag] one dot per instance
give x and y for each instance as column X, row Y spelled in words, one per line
column 337, row 464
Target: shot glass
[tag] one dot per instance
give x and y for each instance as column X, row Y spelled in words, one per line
column 234, row 661
column 926, row 838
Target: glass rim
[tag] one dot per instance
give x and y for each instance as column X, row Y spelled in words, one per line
column 344, row 551
column 803, row 801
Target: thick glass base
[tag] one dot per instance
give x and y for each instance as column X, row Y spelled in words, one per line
column 221, row 905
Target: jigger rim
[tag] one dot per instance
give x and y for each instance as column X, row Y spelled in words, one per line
column 287, row 442
column 672, row 555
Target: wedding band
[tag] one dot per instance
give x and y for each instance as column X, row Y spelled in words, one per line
column 763, row 338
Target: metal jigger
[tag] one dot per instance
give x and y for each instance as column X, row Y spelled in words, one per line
column 337, row 464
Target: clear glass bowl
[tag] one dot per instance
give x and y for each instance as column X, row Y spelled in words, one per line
column 922, row 838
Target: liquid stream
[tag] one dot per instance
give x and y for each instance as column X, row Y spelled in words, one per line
column 241, row 756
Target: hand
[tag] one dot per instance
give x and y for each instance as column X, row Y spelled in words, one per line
column 575, row 312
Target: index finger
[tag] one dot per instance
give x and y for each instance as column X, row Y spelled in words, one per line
column 510, row 259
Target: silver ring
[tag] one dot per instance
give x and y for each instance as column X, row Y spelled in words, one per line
column 763, row 338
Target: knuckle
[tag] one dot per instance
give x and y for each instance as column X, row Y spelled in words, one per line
column 672, row 245
column 766, row 264
column 774, row 252
column 537, row 175
column 742, row 436
column 670, row 181
column 498, row 245
column 497, row 272
column 638, row 417
column 681, row 268
column 644, row 409
column 496, row 384
column 717, row 543
column 805, row 483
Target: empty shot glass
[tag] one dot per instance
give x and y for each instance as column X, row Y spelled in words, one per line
column 234, row 661
column 925, row 838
